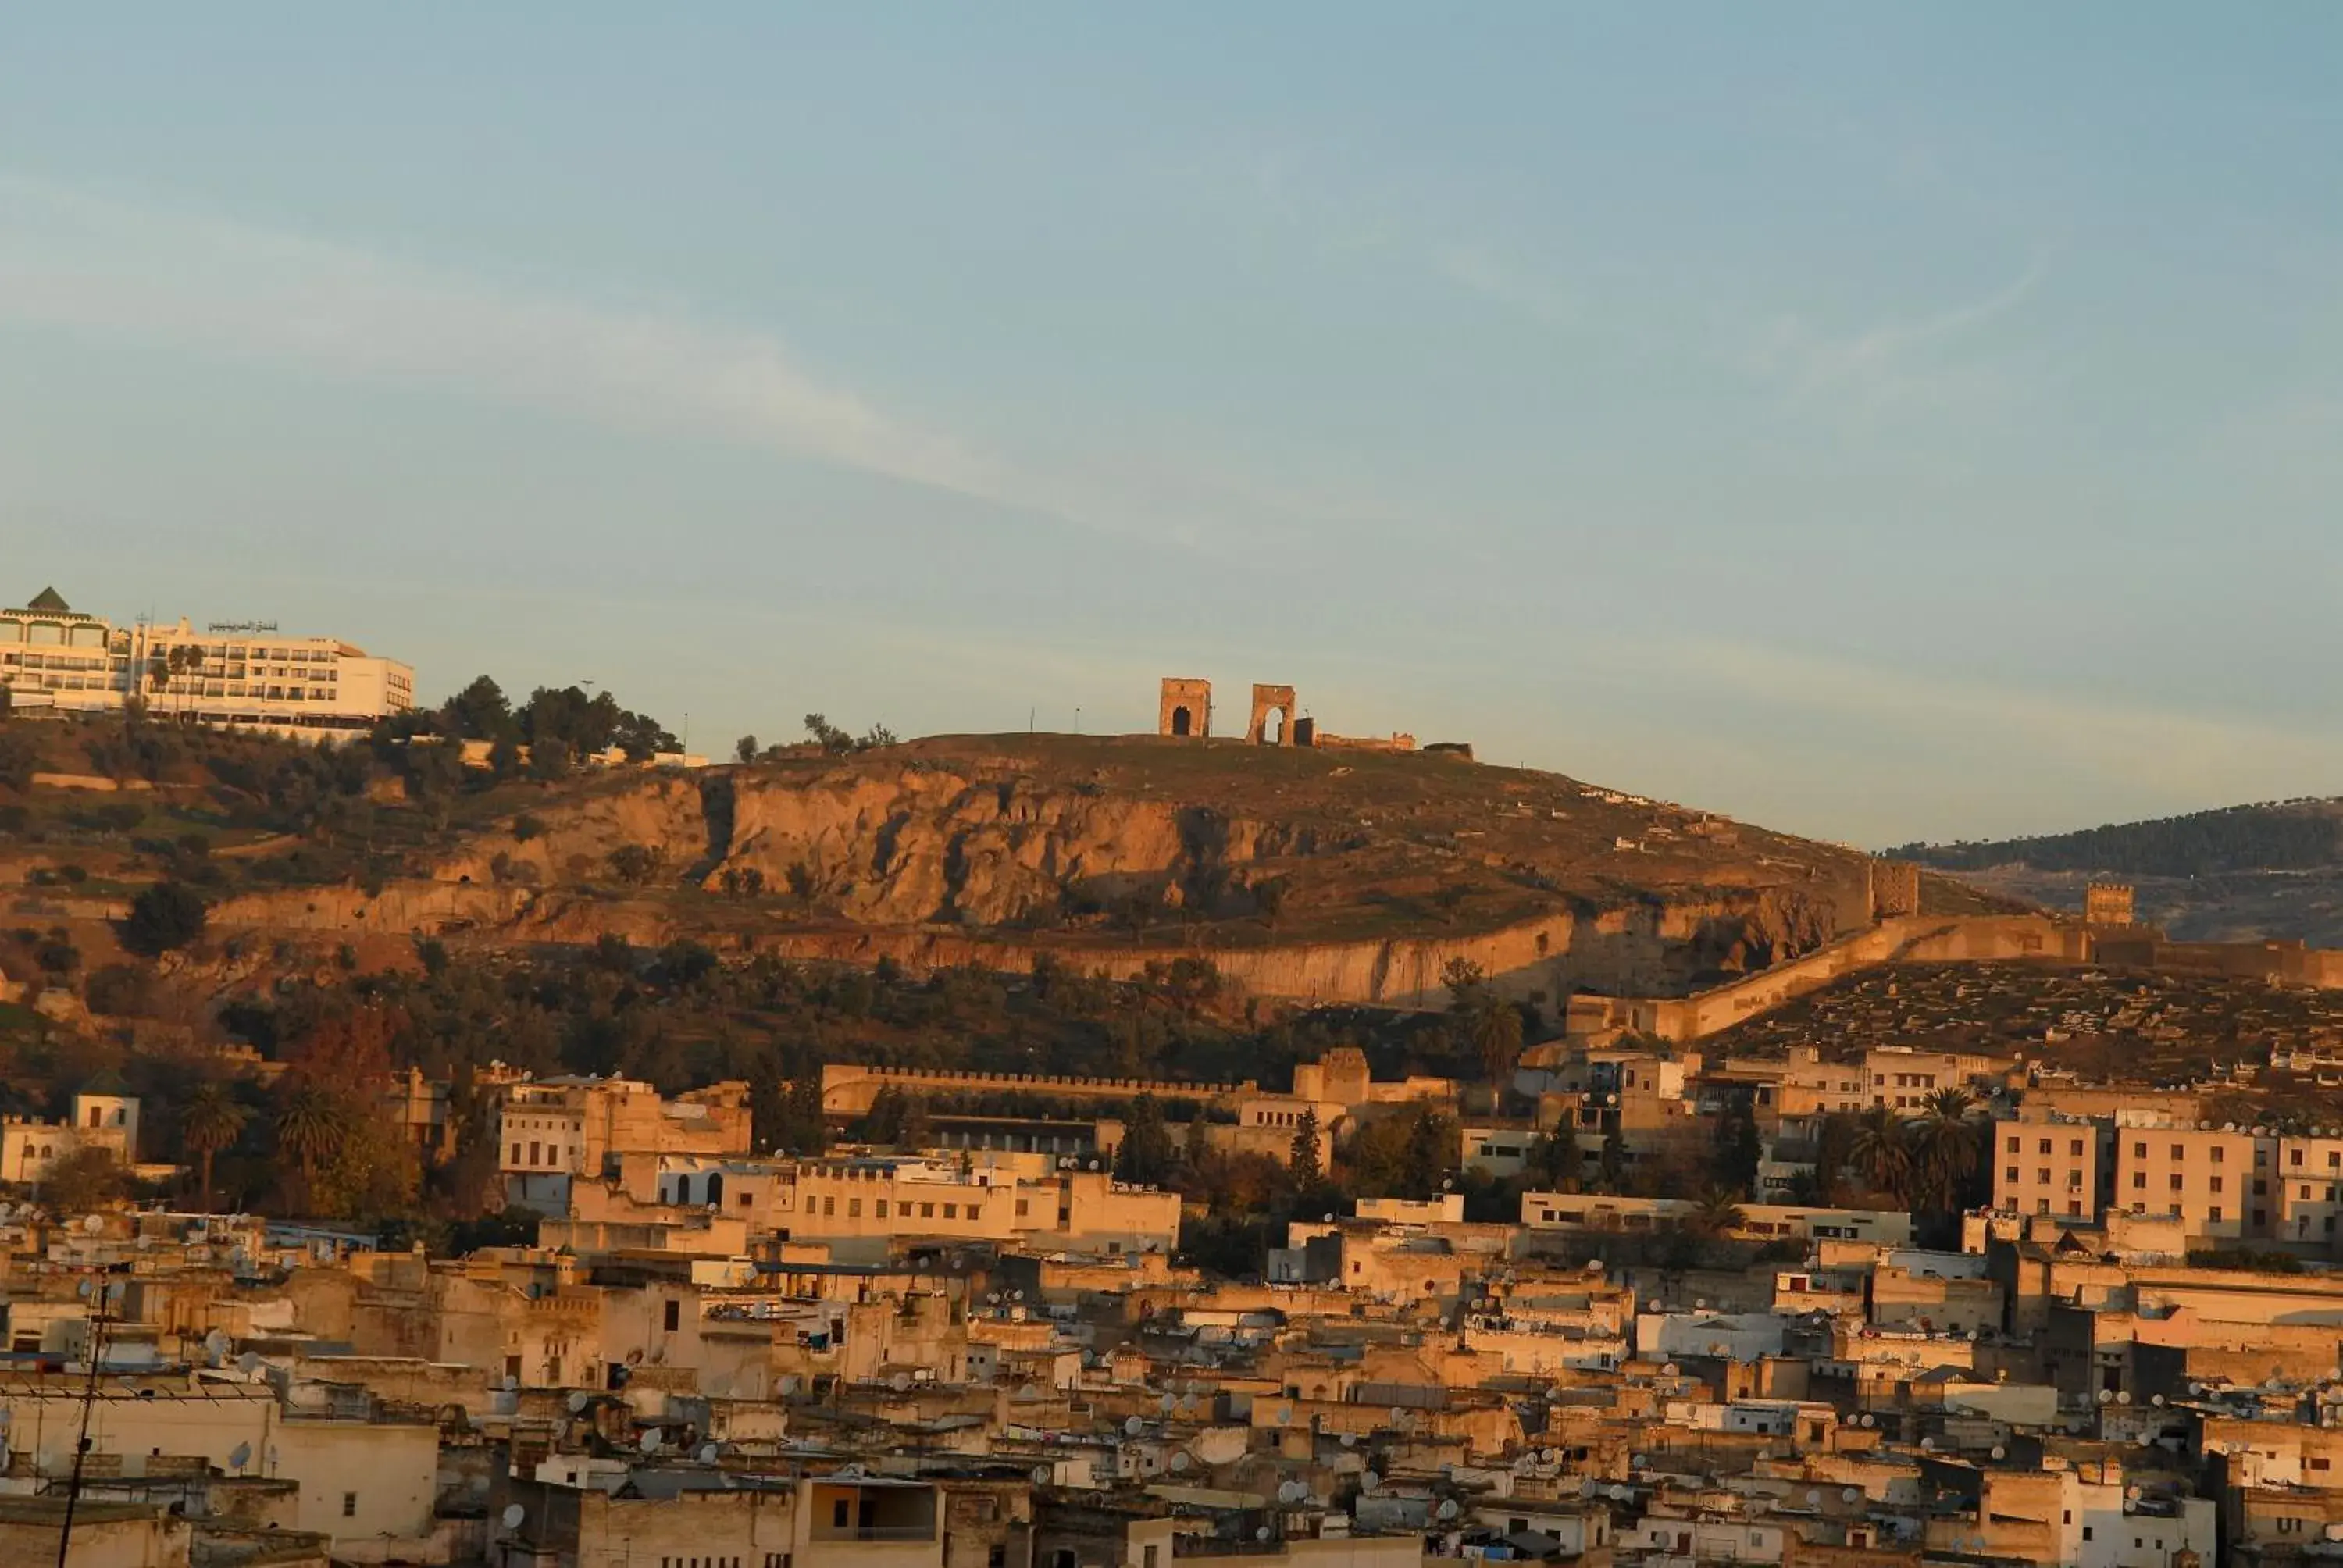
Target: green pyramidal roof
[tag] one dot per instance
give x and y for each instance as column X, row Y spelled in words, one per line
column 48, row 598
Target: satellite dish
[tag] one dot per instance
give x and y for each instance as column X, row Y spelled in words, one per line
column 1167, row 1404
column 1814, row 1498
column 1397, row 1415
column 1287, row 1491
column 217, row 1343
column 708, row 1452
column 2157, row 1401
column 1853, row 1495
column 579, row 1400
column 1448, row 1508
column 1132, row 1426
column 241, row 1457
column 1370, row 1481
column 248, row 1364
column 1999, row 1452
column 1350, row 1439
column 1260, row 1533
column 514, row 1514
column 1040, row 1476
column 511, row 1382
column 650, row 1442
column 900, row 1382
column 1179, row 1462
column 94, row 1224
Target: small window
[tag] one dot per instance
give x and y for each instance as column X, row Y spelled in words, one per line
column 349, row 1506
column 674, row 1316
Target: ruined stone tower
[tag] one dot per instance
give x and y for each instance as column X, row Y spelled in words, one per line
column 1186, row 709
column 1268, row 700
column 2109, row 904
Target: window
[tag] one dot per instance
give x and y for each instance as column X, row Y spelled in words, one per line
column 2213, row 1214
column 2176, row 1181
column 1021, row 1208
column 2216, row 1184
column 837, row 1514
column 2218, row 1152
column 2012, row 1174
column 2087, row 1532
column 2043, row 1177
column 881, row 1209
column 829, row 1206
column 854, row 1208
column 349, row 1506
column 951, row 1211
column 674, row 1316
column 2293, row 1157
column 2075, row 1148
column 2139, row 1150
column 2074, row 1207
column 2042, row 1147
column 533, row 1157
column 2139, row 1177
column 926, row 1210
column 2179, row 1152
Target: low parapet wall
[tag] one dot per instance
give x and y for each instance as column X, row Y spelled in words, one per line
column 848, row 1090
column 1911, row 939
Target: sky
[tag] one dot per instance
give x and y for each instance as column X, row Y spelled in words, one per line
column 1875, row 422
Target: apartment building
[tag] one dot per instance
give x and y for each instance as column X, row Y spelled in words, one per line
column 2057, row 1167
column 2308, row 1189
column 2217, row 1183
column 244, row 675
column 550, row 1130
column 1902, row 1078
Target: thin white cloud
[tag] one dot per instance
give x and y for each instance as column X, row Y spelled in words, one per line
column 1894, row 361
column 2131, row 748
column 1478, row 270
column 72, row 260
column 92, row 264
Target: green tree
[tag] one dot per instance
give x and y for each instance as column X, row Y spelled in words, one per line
column 1881, row 1153
column 1146, row 1155
column 834, row 741
column 87, row 1179
column 210, row 1122
column 162, row 918
column 1944, row 1148
column 1303, row 1158
column 1716, row 1212
column 1738, row 1150
column 744, row 750
column 311, row 1127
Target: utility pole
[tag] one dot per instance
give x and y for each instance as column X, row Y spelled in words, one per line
column 99, row 1296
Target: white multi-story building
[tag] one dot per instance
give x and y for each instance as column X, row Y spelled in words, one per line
column 244, row 675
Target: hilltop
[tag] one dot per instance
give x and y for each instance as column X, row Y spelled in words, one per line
column 2272, row 869
column 1334, row 874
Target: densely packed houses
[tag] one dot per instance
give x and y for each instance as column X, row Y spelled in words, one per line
column 988, row 1352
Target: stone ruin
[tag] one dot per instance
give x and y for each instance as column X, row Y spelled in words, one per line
column 2109, row 904
column 1894, row 887
column 1184, row 710
column 1268, row 701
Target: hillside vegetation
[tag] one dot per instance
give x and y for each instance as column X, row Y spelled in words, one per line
column 2295, row 835
column 2273, row 870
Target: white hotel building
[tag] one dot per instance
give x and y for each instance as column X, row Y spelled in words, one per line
column 244, row 675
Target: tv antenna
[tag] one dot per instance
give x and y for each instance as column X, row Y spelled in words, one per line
column 100, row 1298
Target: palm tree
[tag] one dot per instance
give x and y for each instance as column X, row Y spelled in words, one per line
column 211, row 1123
column 1944, row 1148
column 1715, row 1211
column 1497, row 1036
column 1880, row 1152
column 310, row 1127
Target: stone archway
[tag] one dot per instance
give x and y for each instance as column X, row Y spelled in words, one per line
column 1268, row 701
column 1185, row 707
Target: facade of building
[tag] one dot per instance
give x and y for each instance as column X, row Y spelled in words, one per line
column 245, row 676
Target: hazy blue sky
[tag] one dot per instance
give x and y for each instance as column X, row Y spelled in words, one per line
column 1873, row 421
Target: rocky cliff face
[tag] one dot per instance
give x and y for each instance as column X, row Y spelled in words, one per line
column 1301, row 874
